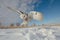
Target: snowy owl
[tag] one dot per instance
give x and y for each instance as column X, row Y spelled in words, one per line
column 28, row 17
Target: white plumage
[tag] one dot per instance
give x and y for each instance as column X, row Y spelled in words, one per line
column 27, row 17
column 36, row 15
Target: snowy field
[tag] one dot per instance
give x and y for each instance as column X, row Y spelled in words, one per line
column 49, row 33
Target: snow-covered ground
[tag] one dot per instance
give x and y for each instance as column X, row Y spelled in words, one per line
column 49, row 33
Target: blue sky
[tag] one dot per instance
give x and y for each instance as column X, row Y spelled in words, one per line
column 49, row 8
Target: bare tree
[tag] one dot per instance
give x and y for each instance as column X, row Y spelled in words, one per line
column 34, row 24
column 42, row 24
column 17, row 24
column 12, row 24
column 0, row 24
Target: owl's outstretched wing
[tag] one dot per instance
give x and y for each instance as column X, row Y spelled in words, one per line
column 15, row 10
column 36, row 15
column 22, row 15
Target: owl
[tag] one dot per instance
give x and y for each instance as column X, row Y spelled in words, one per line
column 27, row 17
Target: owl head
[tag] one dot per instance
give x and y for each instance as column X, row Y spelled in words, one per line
column 36, row 15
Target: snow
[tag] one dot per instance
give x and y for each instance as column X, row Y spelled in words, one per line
column 30, row 34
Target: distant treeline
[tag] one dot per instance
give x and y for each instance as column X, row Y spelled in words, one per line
column 17, row 25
